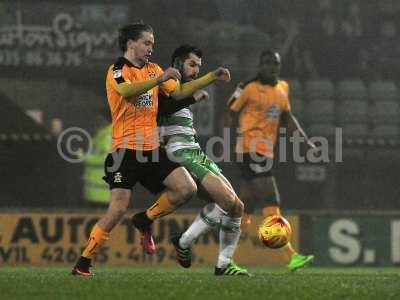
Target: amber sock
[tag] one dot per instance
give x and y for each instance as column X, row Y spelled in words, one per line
column 161, row 208
column 97, row 238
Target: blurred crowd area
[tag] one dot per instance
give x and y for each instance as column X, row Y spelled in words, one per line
column 329, row 39
column 340, row 58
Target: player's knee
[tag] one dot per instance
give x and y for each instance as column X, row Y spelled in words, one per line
column 236, row 208
column 120, row 202
column 188, row 190
column 185, row 192
column 233, row 204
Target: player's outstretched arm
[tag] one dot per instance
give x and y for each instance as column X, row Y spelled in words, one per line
column 188, row 88
column 168, row 105
column 129, row 90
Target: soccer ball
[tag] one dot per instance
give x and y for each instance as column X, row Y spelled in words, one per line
column 275, row 232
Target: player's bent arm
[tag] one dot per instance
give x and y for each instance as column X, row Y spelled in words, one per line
column 187, row 89
column 128, row 90
column 236, row 94
column 290, row 122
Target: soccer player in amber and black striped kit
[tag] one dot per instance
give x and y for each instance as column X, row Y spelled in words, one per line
column 133, row 85
column 262, row 105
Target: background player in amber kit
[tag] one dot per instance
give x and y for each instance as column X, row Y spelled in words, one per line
column 262, row 106
column 133, row 85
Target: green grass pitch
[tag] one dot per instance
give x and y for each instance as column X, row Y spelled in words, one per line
column 199, row 283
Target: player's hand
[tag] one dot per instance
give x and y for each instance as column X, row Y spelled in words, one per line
column 238, row 91
column 170, row 73
column 222, row 74
column 311, row 145
column 314, row 149
column 201, row 95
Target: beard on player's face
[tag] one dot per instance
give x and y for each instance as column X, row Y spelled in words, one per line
column 190, row 67
column 187, row 73
column 189, row 76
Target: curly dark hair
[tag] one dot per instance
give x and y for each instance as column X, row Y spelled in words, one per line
column 182, row 53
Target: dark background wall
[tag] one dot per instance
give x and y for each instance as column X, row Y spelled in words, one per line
column 341, row 59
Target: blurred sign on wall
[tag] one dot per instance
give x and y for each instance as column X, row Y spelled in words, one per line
column 349, row 240
column 58, row 238
column 60, row 35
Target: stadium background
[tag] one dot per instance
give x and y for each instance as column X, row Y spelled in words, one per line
column 342, row 62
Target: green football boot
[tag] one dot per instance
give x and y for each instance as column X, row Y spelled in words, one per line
column 299, row 261
column 231, row 270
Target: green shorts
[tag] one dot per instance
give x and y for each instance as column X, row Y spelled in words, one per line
column 197, row 163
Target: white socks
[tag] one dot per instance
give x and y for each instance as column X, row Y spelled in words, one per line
column 209, row 217
column 229, row 231
column 229, row 235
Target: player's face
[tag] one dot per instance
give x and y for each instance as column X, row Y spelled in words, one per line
column 143, row 47
column 191, row 67
column 270, row 66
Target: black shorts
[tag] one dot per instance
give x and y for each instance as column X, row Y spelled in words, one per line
column 149, row 168
column 255, row 165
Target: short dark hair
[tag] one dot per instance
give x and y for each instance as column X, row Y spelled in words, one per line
column 263, row 54
column 268, row 52
column 131, row 32
column 183, row 51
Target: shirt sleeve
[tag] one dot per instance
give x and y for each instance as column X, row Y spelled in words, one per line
column 167, row 106
column 167, row 87
column 237, row 105
column 286, row 104
column 118, row 74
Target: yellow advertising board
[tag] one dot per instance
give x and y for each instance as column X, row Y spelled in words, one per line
column 58, row 238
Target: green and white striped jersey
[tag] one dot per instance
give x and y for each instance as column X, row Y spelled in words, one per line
column 177, row 132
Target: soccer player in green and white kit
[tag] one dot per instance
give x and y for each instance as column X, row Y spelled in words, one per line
column 178, row 135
